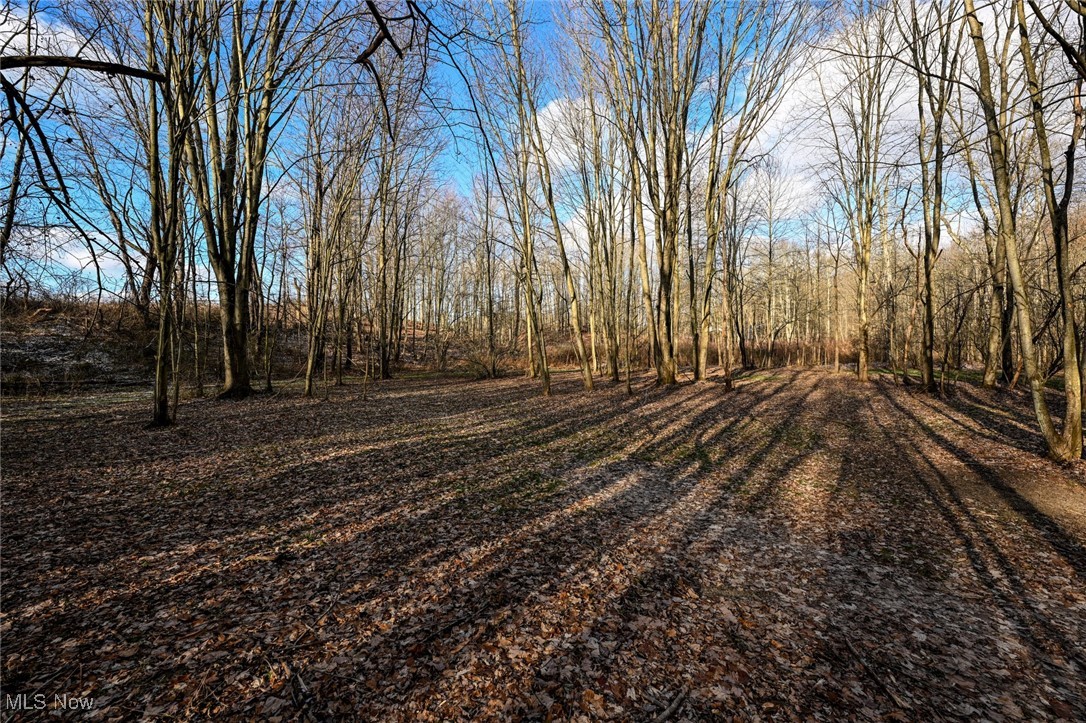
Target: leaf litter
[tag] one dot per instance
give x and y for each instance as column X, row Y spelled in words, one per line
column 805, row 547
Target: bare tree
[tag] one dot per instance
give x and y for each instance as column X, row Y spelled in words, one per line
column 858, row 118
column 1067, row 446
column 934, row 41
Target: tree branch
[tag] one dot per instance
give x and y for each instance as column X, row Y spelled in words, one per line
column 8, row 62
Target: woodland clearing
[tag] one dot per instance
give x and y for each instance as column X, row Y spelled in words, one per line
column 806, row 546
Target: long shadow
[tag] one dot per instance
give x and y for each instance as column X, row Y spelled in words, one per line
column 965, row 527
column 698, row 430
column 282, row 498
column 982, row 422
column 1070, row 549
column 766, row 495
column 538, row 441
column 666, row 575
column 497, row 592
column 1030, row 621
column 295, row 491
column 683, row 480
column 632, row 508
column 292, row 501
column 439, row 575
column 972, row 401
column 201, row 584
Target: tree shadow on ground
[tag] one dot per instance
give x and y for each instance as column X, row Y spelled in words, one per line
column 987, row 556
column 388, row 559
column 1069, row 548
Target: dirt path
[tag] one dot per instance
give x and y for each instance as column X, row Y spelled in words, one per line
column 805, row 547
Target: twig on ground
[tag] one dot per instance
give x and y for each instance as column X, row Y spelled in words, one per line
column 871, row 674
column 670, row 710
column 303, row 698
column 335, row 599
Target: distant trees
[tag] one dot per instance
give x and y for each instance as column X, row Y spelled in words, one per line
column 338, row 150
column 887, row 184
column 528, row 106
column 757, row 45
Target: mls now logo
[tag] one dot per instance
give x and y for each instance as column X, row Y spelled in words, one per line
column 40, row 701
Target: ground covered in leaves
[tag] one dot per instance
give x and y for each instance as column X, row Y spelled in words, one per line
column 805, row 547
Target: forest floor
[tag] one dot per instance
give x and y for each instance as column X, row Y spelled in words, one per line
column 803, row 547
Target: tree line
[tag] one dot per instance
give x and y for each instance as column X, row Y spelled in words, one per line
column 616, row 186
